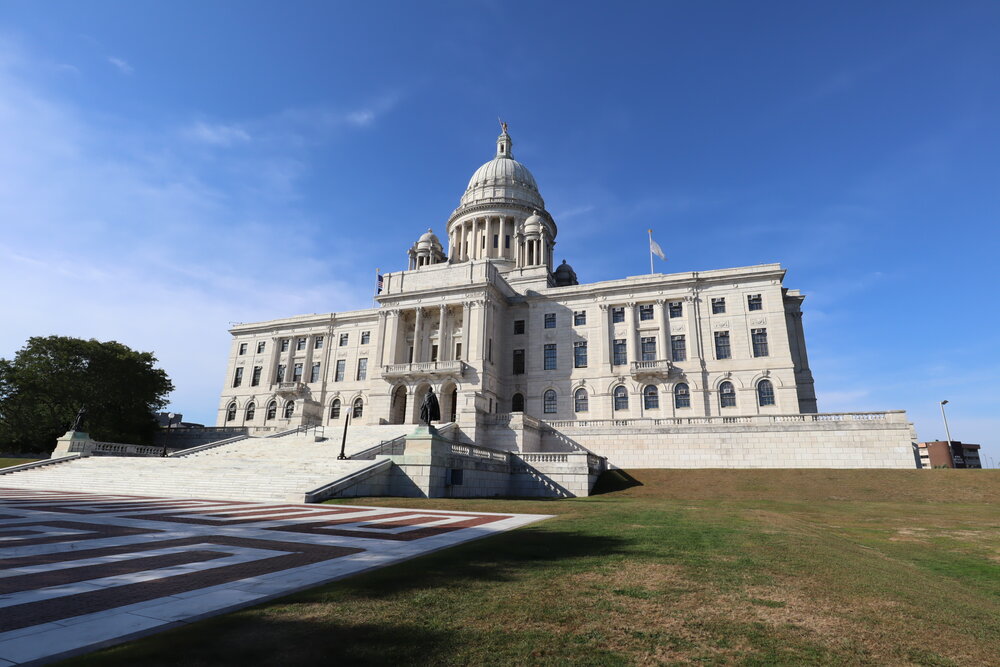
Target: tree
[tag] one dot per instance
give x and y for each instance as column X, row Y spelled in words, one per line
column 51, row 377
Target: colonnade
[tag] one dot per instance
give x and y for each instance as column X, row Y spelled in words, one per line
column 498, row 237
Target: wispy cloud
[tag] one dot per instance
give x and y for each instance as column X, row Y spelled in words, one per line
column 121, row 65
column 216, row 134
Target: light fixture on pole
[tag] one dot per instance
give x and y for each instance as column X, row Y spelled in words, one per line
column 945, row 419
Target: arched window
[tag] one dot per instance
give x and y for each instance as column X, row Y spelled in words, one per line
column 549, row 401
column 359, row 408
column 682, row 396
column 272, row 410
column 251, row 411
column 727, row 395
column 765, row 393
column 289, row 409
column 517, row 403
column 580, row 400
column 335, row 409
column 650, row 397
column 621, row 398
column 231, row 412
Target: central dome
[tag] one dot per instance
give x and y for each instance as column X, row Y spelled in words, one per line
column 502, row 180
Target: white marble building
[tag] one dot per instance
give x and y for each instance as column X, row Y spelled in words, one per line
column 497, row 329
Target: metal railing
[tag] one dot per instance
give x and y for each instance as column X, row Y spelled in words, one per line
column 891, row 416
column 425, row 368
column 396, row 445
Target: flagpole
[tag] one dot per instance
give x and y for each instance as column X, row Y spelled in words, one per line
column 651, row 251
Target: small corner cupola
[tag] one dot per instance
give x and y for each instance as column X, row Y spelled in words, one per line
column 504, row 143
column 565, row 275
column 427, row 250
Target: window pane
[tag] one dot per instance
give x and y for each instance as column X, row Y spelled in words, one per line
column 649, row 348
column 580, row 354
column 238, row 378
column 617, row 315
column 579, row 318
column 718, row 305
column 366, row 337
column 621, row 398
column 759, row 337
column 341, row 367
column 754, row 302
column 517, row 403
column 620, row 352
column 549, row 359
column 765, row 392
column 650, row 398
column 676, row 309
column 518, row 362
column 300, row 344
column 280, row 376
column 243, row 348
column 260, row 347
column 550, row 320
column 678, row 348
column 727, row 395
column 646, row 312
column 255, row 378
column 343, row 339
column 549, row 402
column 362, row 369
column 518, row 327
column 297, row 373
column 580, row 401
column 682, row 397
column 722, row 350
column 314, row 373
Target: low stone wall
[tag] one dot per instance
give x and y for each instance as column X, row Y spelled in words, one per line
column 848, row 440
column 183, row 438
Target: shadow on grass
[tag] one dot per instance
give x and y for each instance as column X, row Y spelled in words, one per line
column 614, row 480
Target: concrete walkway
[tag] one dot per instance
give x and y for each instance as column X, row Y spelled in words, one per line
column 79, row 571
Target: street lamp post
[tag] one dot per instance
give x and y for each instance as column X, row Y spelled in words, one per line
column 170, row 420
column 947, row 432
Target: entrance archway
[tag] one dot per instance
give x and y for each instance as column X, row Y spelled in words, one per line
column 397, row 406
column 449, row 402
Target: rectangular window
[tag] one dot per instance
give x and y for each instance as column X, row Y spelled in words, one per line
column 238, row 378
column 484, row 240
column 676, row 309
column 297, row 373
column 518, row 362
column 754, row 302
column 489, row 350
column 506, row 241
column 759, row 337
column 579, row 318
column 434, row 352
column 620, row 352
column 339, row 375
column 300, row 344
column 678, row 349
column 458, row 351
column 279, row 377
column 580, row 354
column 362, row 369
column 645, row 312
column 648, row 348
column 318, row 343
column 550, row 320
column 314, row 373
column 243, row 348
column 366, row 337
column 343, row 339
column 284, row 345
column 719, row 305
column 496, row 240
column 722, row 350
column 617, row 315
column 549, row 360
column 255, row 378
column 260, row 347
column 518, row 327
column 410, row 356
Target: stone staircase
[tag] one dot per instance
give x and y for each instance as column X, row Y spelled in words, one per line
column 282, row 469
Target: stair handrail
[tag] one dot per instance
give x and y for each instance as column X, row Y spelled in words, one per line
column 39, row 464
column 208, row 445
column 388, row 444
column 304, row 428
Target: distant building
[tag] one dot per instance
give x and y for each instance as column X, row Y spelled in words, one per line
column 944, row 454
column 174, row 420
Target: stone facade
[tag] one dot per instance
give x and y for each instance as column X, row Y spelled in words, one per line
column 494, row 328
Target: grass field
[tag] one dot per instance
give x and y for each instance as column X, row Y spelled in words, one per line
column 709, row 567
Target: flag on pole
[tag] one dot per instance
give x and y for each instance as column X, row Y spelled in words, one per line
column 655, row 248
column 378, row 282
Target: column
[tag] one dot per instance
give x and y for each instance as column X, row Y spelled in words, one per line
column 604, row 340
column 443, row 338
column 466, row 322
column 664, row 343
column 632, row 332
column 417, row 337
column 383, row 324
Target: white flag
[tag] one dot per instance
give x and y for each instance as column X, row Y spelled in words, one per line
column 655, row 248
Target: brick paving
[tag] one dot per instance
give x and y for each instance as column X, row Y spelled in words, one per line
column 80, row 570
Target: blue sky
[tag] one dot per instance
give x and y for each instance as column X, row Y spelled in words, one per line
column 168, row 168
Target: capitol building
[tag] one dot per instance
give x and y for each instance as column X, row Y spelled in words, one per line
column 697, row 369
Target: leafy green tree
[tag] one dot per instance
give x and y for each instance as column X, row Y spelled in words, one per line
column 51, row 377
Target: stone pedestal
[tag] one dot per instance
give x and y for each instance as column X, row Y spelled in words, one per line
column 64, row 445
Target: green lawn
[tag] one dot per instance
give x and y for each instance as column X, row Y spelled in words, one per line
column 717, row 567
column 6, row 463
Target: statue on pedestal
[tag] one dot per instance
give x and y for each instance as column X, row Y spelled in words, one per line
column 430, row 410
column 78, row 421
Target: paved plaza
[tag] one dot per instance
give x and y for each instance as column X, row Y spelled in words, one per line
column 79, row 571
